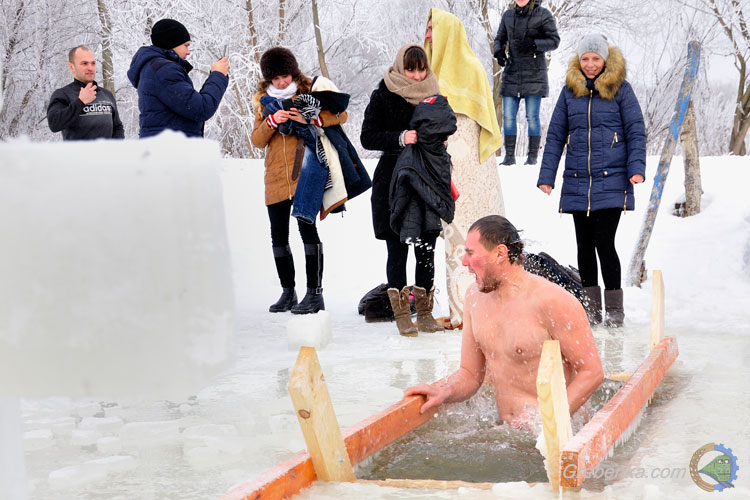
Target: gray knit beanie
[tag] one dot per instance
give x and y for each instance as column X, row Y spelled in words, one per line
column 594, row 42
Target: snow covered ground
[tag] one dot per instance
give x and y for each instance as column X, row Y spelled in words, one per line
column 243, row 423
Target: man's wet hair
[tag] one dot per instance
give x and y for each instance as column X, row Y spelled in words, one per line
column 495, row 230
column 72, row 52
column 415, row 58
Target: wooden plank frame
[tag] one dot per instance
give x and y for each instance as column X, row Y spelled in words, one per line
column 553, row 406
column 320, row 428
column 592, row 443
column 582, row 453
column 362, row 440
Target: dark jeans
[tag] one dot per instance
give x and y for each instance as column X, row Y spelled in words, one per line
column 424, row 251
column 279, row 215
column 595, row 234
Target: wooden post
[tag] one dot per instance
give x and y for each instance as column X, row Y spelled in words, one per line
column 553, row 406
column 316, row 417
column 657, row 309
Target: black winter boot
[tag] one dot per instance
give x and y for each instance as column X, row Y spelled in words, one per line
column 510, row 150
column 614, row 308
column 592, row 303
column 287, row 300
column 312, row 302
column 534, row 141
column 282, row 256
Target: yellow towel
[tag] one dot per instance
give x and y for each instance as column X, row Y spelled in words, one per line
column 462, row 78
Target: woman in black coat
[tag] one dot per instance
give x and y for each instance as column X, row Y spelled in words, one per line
column 527, row 30
column 386, row 128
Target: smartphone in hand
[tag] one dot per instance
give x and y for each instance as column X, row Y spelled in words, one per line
column 287, row 104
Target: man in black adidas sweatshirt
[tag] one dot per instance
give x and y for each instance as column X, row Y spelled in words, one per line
column 82, row 110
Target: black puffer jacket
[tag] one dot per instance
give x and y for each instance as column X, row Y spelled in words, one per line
column 526, row 67
column 421, row 184
column 386, row 116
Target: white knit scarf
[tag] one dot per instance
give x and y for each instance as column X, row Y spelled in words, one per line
column 282, row 93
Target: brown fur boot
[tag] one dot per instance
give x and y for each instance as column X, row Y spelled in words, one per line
column 423, row 303
column 402, row 311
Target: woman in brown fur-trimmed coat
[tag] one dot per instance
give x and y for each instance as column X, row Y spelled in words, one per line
column 283, row 79
column 598, row 119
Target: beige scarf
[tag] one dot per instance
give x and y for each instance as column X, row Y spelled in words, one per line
column 414, row 92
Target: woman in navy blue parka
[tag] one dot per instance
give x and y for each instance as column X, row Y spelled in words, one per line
column 166, row 97
column 598, row 121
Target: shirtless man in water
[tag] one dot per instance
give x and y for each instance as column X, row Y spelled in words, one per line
column 508, row 315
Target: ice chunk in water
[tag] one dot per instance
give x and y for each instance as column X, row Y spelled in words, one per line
column 204, row 457
column 64, row 427
column 109, row 445
column 138, row 436
column 118, row 281
column 38, row 439
column 312, row 330
column 88, row 472
column 75, row 475
column 101, row 424
column 84, row 437
column 208, row 434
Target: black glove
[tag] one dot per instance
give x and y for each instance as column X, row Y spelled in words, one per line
column 501, row 58
column 526, row 45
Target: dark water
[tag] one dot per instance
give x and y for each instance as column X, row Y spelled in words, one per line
column 465, row 443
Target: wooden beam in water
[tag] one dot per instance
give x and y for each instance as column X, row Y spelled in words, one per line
column 430, row 484
column 592, row 443
column 362, row 440
column 553, row 405
column 316, row 417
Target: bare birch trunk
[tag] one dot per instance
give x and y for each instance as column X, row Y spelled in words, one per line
column 319, row 41
column 252, row 40
column 497, row 76
column 693, row 186
column 282, row 20
column 108, row 69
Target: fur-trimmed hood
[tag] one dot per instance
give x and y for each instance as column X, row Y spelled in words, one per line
column 609, row 80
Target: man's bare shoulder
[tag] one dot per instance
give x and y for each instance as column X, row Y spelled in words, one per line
column 551, row 294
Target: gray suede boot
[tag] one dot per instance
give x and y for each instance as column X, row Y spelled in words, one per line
column 614, row 308
column 592, row 303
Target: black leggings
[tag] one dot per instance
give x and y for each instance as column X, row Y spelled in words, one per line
column 424, row 251
column 279, row 215
column 595, row 234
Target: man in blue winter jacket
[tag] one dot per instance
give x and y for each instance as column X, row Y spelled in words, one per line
column 166, row 96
